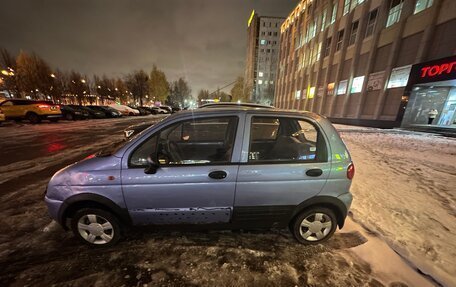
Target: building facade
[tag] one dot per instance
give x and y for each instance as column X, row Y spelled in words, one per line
column 262, row 57
column 350, row 60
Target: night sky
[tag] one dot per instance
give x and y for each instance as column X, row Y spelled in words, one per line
column 203, row 41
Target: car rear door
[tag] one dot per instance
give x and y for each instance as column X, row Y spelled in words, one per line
column 285, row 163
column 196, row 180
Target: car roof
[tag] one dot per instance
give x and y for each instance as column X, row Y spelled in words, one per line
column 245, row 110
column 230, row 104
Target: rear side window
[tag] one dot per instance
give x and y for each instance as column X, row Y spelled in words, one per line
column 285, row 140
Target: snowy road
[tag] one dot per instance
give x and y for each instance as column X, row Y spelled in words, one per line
column 391, row 189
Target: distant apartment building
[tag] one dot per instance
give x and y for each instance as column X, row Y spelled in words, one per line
column 262, row 57
column 351, row 60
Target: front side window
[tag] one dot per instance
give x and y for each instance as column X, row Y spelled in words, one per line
column 278, row 140
column 199, row 141
column 394, row 14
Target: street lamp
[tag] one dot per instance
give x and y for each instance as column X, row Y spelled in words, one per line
column 83, row 81
column 53, row 76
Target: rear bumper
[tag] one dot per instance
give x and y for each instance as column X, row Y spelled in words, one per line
column 51, row 116
column 347, row 199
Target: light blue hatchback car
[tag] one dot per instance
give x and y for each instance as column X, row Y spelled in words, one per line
column 234, row 167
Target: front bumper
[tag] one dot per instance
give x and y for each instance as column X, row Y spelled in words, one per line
column 53, row 208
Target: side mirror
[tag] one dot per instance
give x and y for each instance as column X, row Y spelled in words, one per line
column 152, row 166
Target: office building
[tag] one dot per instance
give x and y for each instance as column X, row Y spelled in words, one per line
column 262, row 57
column 351, row 60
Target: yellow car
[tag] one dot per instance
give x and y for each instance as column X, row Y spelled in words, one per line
column 33, row 111
column 2, row 117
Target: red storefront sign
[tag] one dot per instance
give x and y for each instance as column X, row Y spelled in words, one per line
column 437, row 70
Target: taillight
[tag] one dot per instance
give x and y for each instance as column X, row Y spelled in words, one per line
column 43, row 106
column 351, row 171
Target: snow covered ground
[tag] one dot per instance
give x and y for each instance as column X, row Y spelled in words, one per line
column 405, row 191
column 404, row 196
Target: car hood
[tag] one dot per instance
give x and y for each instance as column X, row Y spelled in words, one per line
column 89, row 171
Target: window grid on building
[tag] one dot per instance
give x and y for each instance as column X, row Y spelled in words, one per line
column 394, row 14
column 353, row 33
column 371, row 20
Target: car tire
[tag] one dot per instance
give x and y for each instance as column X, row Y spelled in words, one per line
column 33, row 118
column 54, row 120
column 96, row 227
column 314, row 225
column 131, row 114
column 69, row 117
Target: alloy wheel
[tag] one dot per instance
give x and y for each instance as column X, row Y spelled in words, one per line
column 315, row 226
column 95, row 229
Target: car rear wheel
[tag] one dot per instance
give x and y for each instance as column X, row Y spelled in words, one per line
column 33, row 118
column 96, row 227
column 314, row 225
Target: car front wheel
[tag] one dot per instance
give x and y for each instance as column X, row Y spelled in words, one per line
column 96, row 227
column 314, row 225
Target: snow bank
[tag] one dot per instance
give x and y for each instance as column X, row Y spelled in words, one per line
column 405, row 190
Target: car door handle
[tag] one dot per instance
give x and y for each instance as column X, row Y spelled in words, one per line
column 218, row 174
column 314, row 172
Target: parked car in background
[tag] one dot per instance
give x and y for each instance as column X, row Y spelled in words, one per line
column 109, row 112
column 260, row 168
column 125, row 110
column 95, row 113
column 71, row 113
column 159, row 111
column 176, row 109
column 142, row 111
column 167, row 108
column 32, row 110
column 2, row 117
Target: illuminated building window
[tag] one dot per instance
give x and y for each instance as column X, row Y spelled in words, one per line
column 260, row 74
column 342, row 87
column 422, row 5
column 346, row 6
column 263, row 42
column 323, row 21
column 357, row 84
column 260, row 82
column 394, row 14
column 334, row 14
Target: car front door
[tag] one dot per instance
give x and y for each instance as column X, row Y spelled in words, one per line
column 195, row 180
column 285, row 163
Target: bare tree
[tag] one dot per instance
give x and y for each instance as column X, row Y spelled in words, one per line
column 180, row 92
column 8, row 67
column 33, row 74
column 137, row 83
